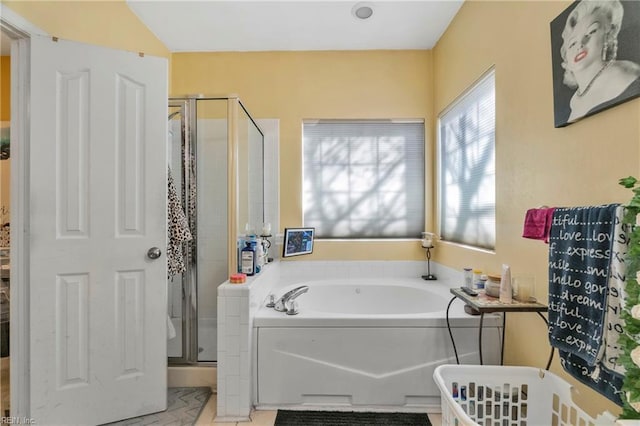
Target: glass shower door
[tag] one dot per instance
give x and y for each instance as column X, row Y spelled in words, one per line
column 182, row 343
column 176, row 143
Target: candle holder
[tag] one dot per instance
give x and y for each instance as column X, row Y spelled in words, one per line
column 429, row 276
column 427, row 243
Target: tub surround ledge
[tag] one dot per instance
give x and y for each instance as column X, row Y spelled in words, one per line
column 236, row 305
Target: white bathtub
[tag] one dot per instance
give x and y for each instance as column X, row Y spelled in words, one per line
column 365, row 297
column 364, row 344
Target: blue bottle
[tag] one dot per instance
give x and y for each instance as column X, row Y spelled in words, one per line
column 248, row 259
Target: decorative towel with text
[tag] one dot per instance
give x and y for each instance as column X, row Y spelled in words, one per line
column 579, row 259
column 607, row 375
column 617, row 295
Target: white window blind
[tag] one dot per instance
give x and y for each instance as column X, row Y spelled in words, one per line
column 467, row 167
column 364, row 179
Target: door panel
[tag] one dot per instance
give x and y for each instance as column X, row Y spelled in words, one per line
column 98, row 202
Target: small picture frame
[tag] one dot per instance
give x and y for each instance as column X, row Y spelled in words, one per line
column 298, row 241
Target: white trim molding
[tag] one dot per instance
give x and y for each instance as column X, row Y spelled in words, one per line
column 20, row 30
column 19, row 213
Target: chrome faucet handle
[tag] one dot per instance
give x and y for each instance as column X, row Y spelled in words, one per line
column 293, row 308
column 290, row 295
column 272, row 301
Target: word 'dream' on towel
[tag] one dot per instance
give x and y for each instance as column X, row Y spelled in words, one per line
column 579, row 259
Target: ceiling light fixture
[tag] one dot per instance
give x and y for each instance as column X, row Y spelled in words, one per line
column 362, row 10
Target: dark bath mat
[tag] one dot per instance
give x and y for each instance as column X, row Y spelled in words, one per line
column 184, row 405
column 349, row 418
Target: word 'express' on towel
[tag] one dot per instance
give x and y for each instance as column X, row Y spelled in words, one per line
column 579, row 259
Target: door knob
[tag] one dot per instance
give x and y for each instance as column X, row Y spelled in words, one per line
column 154, row 253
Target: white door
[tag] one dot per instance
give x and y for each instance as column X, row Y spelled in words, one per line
column 98, row 170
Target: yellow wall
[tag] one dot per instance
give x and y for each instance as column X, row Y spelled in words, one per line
column 293, row 86
column 5, row 88
column 104, row 23
column 536, row 164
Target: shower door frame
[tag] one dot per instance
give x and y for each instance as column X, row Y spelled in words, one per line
column 188, row 105
column 190, row 348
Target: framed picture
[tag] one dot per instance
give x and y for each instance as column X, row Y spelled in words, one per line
column 595, row 49
column 298, row 241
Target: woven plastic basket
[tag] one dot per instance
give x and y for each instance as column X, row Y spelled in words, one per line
column 506, row 396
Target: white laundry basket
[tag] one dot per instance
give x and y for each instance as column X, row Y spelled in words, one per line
column 506, row 396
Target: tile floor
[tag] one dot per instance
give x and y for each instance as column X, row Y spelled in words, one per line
column 260, row 418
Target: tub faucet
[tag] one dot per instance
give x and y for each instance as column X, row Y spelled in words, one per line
column 281, row 304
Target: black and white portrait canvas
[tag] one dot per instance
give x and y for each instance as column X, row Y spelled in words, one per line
column 595, row 56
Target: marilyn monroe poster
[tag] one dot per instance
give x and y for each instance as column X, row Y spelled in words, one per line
column 596, row 56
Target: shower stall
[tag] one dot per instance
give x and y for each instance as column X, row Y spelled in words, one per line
column 216, row 159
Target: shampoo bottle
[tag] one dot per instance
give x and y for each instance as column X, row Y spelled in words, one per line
column 506, row 293
column 248, row 259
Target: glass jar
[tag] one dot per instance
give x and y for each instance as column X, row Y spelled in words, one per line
column 468, row 277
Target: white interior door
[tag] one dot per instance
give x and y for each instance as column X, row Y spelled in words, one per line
column 98, row 171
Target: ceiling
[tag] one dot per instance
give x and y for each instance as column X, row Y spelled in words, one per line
column 239, row 25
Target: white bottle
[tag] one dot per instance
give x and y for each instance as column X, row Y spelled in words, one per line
column 506, row 292
column 259, row 256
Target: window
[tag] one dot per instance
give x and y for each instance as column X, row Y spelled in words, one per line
column 467, row 167
column 364, row 179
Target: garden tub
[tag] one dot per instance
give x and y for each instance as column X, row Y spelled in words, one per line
column 364, row 344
